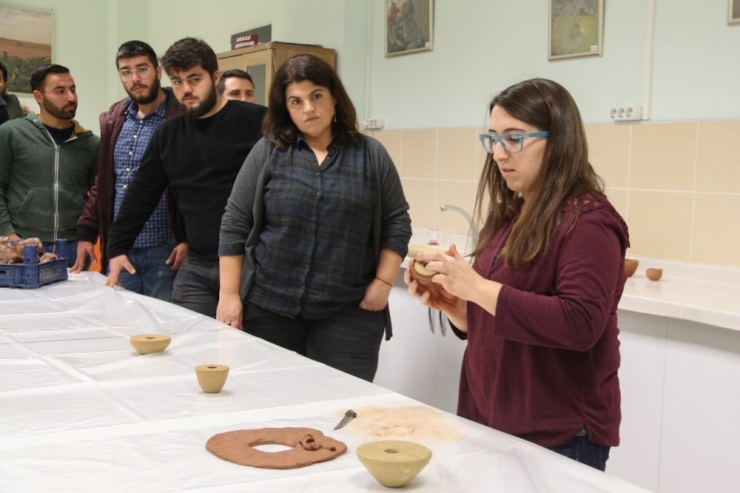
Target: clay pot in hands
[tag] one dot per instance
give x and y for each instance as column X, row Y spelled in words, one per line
column 421, row 274
column 150, row 343
column 630, row 266
column 393, row 463
column 211, row 378
column 654, row 274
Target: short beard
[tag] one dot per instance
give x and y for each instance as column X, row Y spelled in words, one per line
column 59, row 113
column 205, row 106
column 148, row 98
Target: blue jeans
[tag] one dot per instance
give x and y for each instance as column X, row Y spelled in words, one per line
column 197, row 284
column 71, row 252
column 348, row 341
column 585, row 452
column 153, row 276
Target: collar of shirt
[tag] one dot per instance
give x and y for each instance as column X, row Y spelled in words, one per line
column 132, row 112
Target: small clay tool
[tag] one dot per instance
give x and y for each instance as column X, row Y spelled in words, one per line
column 346, row 419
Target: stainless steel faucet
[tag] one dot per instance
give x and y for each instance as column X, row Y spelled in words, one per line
column 472, row 230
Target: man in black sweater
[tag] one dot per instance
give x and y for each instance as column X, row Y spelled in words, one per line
column 198, row 155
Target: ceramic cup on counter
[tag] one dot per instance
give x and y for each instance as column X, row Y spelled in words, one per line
column 630, row 266
column 654, row 274
column 393, row 463
column 150, row 343
column 211, row 378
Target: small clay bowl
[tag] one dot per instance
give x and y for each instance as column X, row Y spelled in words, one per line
column 393, row 463
column 150, row 343
column 211, row 378
column 630, row 266
column 654, row 274
column 421, row 274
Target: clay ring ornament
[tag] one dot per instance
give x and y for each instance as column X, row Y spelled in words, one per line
column 307, row 446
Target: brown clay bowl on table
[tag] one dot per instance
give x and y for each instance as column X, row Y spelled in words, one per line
column 393, row 463
column 211, row 377
column 150, row 343
column 654, row 274
column 630, row 266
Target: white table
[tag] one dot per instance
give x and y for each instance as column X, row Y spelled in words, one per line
column 81, row 411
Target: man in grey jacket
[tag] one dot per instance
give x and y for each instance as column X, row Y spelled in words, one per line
column 47, row 164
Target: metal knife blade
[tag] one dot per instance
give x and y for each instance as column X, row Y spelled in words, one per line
column 346, row 419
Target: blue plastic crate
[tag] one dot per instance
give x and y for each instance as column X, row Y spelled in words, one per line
column 31, row 274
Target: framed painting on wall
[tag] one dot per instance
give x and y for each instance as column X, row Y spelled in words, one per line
column 733, row 12
column 26, row 36
column 576, row 28
column 408, row 26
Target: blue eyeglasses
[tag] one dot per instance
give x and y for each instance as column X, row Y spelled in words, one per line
column 511, row 141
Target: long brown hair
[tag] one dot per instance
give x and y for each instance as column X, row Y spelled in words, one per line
column 566, row 173
column 278, row 127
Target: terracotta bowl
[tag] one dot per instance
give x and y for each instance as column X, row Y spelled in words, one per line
column 211, row 378
column 150, row 343
column 421, row 274
column 393, row 463
column 630, row 266
column 654, row 274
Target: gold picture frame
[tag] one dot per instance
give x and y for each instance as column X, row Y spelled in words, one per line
column 26, row 41
column 575, row 28
column 733, row 12
column 408, row 26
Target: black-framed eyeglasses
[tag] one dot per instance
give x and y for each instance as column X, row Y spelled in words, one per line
column 127, row 75
column 512, row 142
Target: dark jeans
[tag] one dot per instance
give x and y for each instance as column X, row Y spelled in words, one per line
column 585, row 452
column 348, row 341
column 50, row 246
column 153, row 276
column 196, row 285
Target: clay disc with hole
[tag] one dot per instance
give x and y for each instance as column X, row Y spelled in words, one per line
column 238, row 447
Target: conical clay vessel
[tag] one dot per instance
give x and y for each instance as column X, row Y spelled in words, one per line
column 150, row 343
column 393, row 463
column 211, row 378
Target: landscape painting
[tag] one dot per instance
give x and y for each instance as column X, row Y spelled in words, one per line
column 25, row 43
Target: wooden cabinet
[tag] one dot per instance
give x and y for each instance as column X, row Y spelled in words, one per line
column 266, row 58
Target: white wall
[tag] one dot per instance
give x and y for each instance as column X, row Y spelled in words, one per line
column 480, row 47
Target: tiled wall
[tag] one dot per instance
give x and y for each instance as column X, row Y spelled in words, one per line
column 676, row 184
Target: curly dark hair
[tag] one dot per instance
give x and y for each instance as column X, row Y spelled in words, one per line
column 130, row 49
column 278, row 127
column 188, row 53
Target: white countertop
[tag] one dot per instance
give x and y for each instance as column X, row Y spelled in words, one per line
column 699, row 293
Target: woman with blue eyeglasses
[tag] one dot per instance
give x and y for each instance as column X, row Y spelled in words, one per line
column 538, row 307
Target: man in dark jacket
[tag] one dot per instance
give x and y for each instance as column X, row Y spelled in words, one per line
column 10, row 107
column 47, row 164
column 125, row 130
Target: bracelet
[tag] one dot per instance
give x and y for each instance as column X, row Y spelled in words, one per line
column 384, row 282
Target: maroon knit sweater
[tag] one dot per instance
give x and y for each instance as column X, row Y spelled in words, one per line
column 546, row 365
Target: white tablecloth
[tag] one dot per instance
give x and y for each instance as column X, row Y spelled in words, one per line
column 80, row 410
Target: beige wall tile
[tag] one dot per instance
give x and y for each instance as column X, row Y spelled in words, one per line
column 456, row 153
column 420, row 196
column 663, row 156
column 391, row 140
column 608, row 151
column 419, row 153
column 660, row 224
column 619, row 198
column 480, row 154
column 460, row 194
column 718, row 157
column 716, row 235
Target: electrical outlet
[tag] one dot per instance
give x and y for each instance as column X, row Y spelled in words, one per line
column 372, row 124
column 626, row 113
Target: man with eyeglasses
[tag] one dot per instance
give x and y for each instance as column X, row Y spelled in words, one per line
column 125, row 131
column 197, row 155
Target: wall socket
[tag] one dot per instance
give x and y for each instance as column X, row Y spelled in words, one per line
column 626, row 113
column 372, row 124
